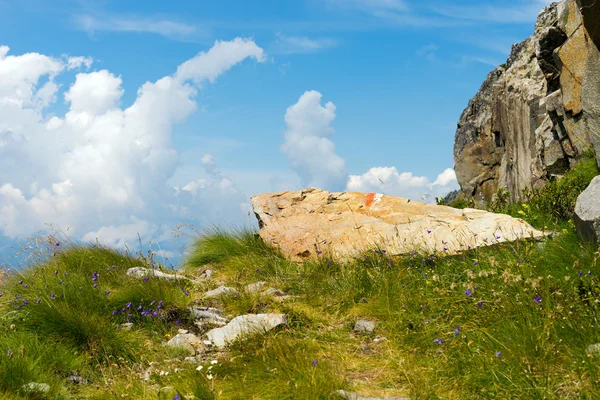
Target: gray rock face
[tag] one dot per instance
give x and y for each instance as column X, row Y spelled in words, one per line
column 245, row 325
column 355, row 396
column 587, row 212
column 536, row 115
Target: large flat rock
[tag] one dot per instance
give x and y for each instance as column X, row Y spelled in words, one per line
column 304, row 224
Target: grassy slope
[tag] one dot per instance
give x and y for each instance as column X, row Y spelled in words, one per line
column 510, row 321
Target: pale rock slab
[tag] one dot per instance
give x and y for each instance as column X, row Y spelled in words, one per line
column 310, row 223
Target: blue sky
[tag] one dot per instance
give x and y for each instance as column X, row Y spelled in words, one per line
column 340, row 94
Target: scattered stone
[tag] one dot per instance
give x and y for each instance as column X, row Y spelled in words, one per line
column 207, row 342
column 355, row 396
column 126, row 326
column 245, row 325
column 34, row 387
column 207, row 274
column 379, row 339
column 191, row 360
column 221, row 291
column 186, row 341
column 593, row 349
column 204, row 315
column 140, row 272
column 350, row 223
column 587, row 212
column 274, row 292
column 182, row 331
column 255, row 287
column 364, row 327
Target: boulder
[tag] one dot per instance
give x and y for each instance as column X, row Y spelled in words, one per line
column 245, row 325
column 536, row 115
column 364, row 327
column 255, row 287
column 587, row 212
column 186, row 341
column 309, row 223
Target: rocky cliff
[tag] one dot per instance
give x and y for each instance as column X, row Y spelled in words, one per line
column 534, row 116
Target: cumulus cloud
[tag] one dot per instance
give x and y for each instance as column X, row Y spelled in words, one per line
column 100, row 169
column 389, row 181
column 307, row 147
column 312, row 155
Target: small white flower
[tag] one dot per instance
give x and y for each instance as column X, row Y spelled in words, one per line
column 213, row 362
column 199, row 367
column 209, row 376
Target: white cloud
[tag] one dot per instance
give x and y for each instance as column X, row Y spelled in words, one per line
column 389, row 181
column 300, row 44
column 94, row 93
column 99, row 169
column 163, row 27
column 429, row 51
column 311, row 154
column 77, row 62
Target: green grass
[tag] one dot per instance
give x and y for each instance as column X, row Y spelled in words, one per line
column 509, row 321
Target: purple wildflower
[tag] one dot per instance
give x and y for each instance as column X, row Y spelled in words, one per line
column 25, row 286
column 498, row 354
column 155, row 313
column 20, row 282
column 314, row 363
column 468, row 292
column 115, row 312
column 56, row 272
column 480, row 304
column 52, row 296
column 95, row 285
column 176, row 397
column 146, row 279
column 57, row 244
column 428, row 231
column 456, row 331
column 580, row 273
column 319, row 252
column 25, row 302
column 107, row 293
column 128, row 305
column 38, row 301
column 537, row 299
column 475, row 262
column 438, row 341
column 589, row 273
